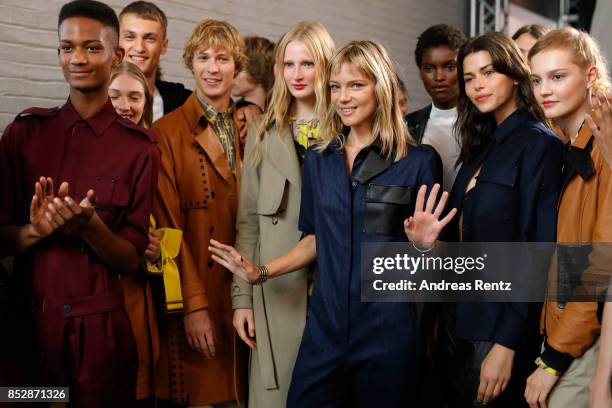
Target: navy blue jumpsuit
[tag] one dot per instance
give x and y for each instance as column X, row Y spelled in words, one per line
column 357, row 354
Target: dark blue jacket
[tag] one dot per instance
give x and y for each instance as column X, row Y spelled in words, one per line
column 514, row 200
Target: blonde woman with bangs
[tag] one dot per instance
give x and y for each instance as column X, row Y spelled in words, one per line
column 269, row 206
column 360, row 185
column 569, row 74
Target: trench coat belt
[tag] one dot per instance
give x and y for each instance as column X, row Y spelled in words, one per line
column 264, row 345
column 82, row 306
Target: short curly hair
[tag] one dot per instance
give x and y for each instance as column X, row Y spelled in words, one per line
column 260, row 54
column 439, row 35
column 93, row 10
column 215, row 34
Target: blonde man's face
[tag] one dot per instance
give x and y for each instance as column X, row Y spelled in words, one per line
column 214, row 70
column 143, row 41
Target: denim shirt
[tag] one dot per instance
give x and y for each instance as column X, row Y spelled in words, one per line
column 343, row 211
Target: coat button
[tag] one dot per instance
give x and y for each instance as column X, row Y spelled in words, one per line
column 212, row 229
column 210, row 264
column 67, row 308
column 354, row 184
column 274, row 221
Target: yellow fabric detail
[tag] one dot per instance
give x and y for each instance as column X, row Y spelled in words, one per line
column 170, row 243
column 546, row 368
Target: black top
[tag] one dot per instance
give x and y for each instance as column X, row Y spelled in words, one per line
column 173, row 94
column 417, row 122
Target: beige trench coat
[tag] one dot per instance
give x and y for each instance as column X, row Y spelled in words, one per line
column 267, row 227
column 198, row 194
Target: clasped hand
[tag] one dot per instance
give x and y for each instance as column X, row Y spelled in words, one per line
column 49, row 212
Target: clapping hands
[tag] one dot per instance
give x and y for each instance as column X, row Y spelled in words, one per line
column 49, row 212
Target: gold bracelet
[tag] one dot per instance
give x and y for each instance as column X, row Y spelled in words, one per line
column 546, row 368
column 263, row 275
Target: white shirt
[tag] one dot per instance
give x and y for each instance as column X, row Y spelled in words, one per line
column 158, row 105
column 439, row 135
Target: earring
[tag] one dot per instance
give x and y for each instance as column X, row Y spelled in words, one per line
column 590, row 96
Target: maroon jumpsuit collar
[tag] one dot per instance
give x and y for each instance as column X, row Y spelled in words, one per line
column 98, row 122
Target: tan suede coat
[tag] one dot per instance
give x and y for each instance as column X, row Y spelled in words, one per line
column 584, row 216
column 198, row 194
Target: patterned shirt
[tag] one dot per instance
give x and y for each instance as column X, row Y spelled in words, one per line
column 305, row 133
column 225, row 128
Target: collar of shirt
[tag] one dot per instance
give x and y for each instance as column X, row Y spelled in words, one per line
column 336, row 144
column 584, row 135
column 505, row 128
column 99, row 122
column 212, row 115
column 577, row 155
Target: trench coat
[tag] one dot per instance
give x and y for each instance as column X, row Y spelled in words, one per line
column 141, row 311
column 267, row 227
column 198, row 194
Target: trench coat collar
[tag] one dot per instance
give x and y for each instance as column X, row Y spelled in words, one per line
column 282, row 154
column 206, row 138
column 98, row 122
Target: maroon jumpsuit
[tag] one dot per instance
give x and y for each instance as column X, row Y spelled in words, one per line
column 82, row 331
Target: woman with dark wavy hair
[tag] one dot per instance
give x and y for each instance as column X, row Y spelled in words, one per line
column 505, row 191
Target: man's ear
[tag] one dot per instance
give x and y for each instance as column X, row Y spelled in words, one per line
column 118, row 56
column 164, row 46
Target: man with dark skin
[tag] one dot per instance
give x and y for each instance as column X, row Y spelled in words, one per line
column 436, row 57
column 71, row 245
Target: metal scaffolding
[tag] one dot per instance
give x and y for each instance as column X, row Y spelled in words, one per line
column 488, row 15
column 568, row 12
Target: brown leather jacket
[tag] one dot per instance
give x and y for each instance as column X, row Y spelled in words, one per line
column 584, row 216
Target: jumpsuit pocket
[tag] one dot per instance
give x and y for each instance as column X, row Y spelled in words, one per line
column 112, row 196
column 386, row 208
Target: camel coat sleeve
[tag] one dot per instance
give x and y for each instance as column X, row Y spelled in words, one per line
column 167, row 212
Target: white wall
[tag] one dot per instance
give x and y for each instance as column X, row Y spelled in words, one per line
column 519, row 16
column 601, row 28
column 30, row 74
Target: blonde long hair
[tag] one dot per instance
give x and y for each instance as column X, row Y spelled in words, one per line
column 321, row 47
column 127, row 68
column 388, row 125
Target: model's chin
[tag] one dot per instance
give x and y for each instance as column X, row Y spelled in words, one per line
column 84, row 86
column 350, row 120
